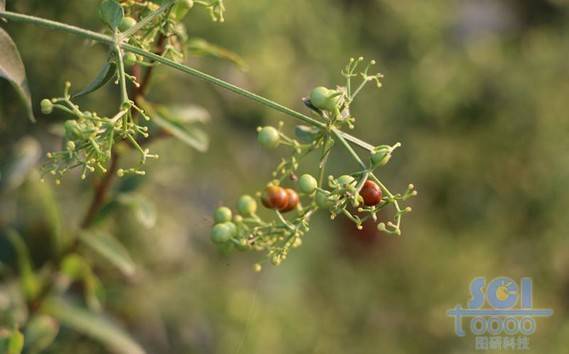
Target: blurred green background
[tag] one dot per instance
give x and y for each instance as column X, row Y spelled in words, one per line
column 476, row 90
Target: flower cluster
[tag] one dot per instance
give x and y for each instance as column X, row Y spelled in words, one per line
column 358, row 195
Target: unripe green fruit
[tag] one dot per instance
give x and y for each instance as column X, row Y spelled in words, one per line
column 381, row 157
column 181, row 9
column 324, row 99
column 130, row 59
column 269, row 137
column 307, row 184
column 222, row 214
column 46, row 106
column 322, row 200
column 222, row 233
column 345, row 180
column 126, row 24
column 246, row 205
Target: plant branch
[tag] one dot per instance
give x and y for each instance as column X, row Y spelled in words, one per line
column 180, row 67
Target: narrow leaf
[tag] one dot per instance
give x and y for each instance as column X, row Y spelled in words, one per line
column 12, row 69
column 202, row 47
column 92, row 325
column 16, row 342
column 111, row 13
column 185, row 114
column 188, row 134
column 106, row 73
column 29, row 281
column 111, row 249
column 192, row 136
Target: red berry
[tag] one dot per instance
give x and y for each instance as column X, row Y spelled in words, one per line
column 292, row 201
column 275, row 197
column 371, row 193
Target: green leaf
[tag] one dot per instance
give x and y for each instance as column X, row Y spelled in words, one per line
column 106, row 73
column 198, row 46
column 12, row 69
column 16, row 342
column 111, row 13
column 92, row 325
column 189, row 134
column 186, row 114
column 144, row 210
column 111, row 249
column 192, row 136
column 29, row 281
column 306, row 134
column 40, row 332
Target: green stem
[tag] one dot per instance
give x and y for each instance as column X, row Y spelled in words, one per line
column 183, row 68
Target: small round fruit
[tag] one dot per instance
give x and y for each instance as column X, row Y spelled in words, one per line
column 222, row 233
column 322, row 200
column 46, row 106
column 126, row 24
column 275, row 197
column 246, row 205
column 381, row 157
column 345, row 180
column 130, row 59
column 371, row 193
column 269, row 137
column 307, row 184
column 323, row 98
column 292, row 200
column 222, row 214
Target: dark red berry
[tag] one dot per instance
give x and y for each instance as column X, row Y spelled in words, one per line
column 275, row 197
column 292, row 201
column 371, row 193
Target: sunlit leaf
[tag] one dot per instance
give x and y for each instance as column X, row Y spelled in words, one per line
column 105, row 75
column 144, row 209
column 185, row 114
column 111, row 13
column 109, row 248
column 40, row 332
column 12, row 69
column 92, row 325
column 198, row 46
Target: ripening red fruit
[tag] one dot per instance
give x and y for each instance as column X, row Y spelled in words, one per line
column 292, row 200
column 275, row 197
column 371, row 193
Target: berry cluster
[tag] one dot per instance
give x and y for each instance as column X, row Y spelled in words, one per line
column 359, row 195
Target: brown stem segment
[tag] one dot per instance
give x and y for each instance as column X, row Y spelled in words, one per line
column 101, row 191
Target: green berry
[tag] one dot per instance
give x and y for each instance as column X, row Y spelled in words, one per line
column 222, row 214
column 324, row 99
column 181, row 9
column 322, row 200
column 46, row 106
column 246, row 205
column 222, row 233
column 269, row 137
column 381, row 156
column 130, row 59
column 345, row 180
column 307, row 184
column 127, row 23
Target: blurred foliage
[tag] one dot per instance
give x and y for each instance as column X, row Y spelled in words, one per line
column 475, row 90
